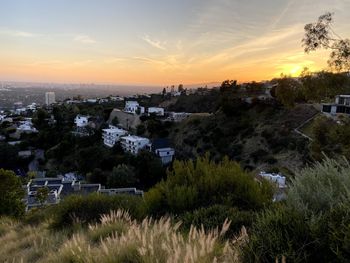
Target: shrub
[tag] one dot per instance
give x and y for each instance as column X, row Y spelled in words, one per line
column 214, row 216
column 318, row 188
column 11, row 194
column 87, row 209
column 279, row 232
column 203, row 183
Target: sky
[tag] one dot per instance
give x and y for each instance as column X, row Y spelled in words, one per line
column 159, row 42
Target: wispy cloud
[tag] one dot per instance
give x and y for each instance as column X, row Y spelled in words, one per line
column 154, row 43
column 84, row 39
column 17, row 33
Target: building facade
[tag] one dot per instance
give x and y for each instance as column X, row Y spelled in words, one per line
column 81, row 121
column 112, row 135
column 133, row 107
column 133, row 144
column 341, row 105
column 156, row 110
column 50, row 98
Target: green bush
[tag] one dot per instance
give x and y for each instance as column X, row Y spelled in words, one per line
column 214, row 216
column 314, row 223
column 11, row 194
column 279, row 232
column 204, row 183
column 318, row 188
column 87, row 209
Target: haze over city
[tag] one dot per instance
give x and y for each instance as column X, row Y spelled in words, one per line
column 159, row 42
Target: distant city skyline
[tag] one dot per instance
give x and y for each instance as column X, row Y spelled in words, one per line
column 159, row 42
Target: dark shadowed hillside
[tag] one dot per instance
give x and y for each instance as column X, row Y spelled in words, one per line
column 259, row 136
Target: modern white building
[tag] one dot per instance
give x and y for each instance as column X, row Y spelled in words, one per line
column 112, row 135
column 161, row 148
column 50, row 98
column 91, row 100
column 32, row 107
column 2, row 117
column 165, row 154
column 81, row 121
column 133, row 144
column 26, row 126
column 19, row 111
column 156, row 110
column 341, row 105
column 133, row 107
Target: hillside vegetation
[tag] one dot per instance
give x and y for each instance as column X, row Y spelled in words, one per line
column 311, row 225
column 116, row 238
column 259, row 135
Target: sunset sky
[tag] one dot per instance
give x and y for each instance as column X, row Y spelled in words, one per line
column 159, row 41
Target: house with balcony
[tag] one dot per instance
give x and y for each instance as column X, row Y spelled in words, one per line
column 133, row 144
column 81, row 121
column 341, row 105
column 112, row 135
column 82, row 126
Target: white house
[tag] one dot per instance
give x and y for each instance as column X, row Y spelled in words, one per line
column 156, row 110
column 32, row 107
column 133, row 144
column 2, row 118
column 133, row 107
column 112, row 135
column 81, row 121
column 91, row 100
column 161, row 147
column 26, row 126
column 19, row 111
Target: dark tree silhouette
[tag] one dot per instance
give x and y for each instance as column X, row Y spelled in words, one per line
column 320, row 35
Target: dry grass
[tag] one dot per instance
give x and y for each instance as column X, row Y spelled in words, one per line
column 118, row 238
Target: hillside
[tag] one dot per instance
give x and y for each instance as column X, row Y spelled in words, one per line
column 260, row 136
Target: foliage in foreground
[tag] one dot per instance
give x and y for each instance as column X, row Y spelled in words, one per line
column 88, row 209
column 11, row 194
column 117, row 238
column 314, row 223
column 205, row 183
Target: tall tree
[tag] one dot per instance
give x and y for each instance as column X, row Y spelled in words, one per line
column 11, row 194
column 321, row 35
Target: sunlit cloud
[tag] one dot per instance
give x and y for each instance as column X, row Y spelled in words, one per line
column 84, row 39
column 154, row 43
column 17, row 33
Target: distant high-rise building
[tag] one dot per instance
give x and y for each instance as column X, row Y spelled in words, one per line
column 50, row 98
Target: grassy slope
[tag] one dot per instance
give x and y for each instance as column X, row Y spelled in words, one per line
column 116, row 239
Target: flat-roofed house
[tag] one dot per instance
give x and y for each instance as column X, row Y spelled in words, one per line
column 341, row 105
column 112, row 135
column 133, row 144
column 161, row 147
column 156, row 111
